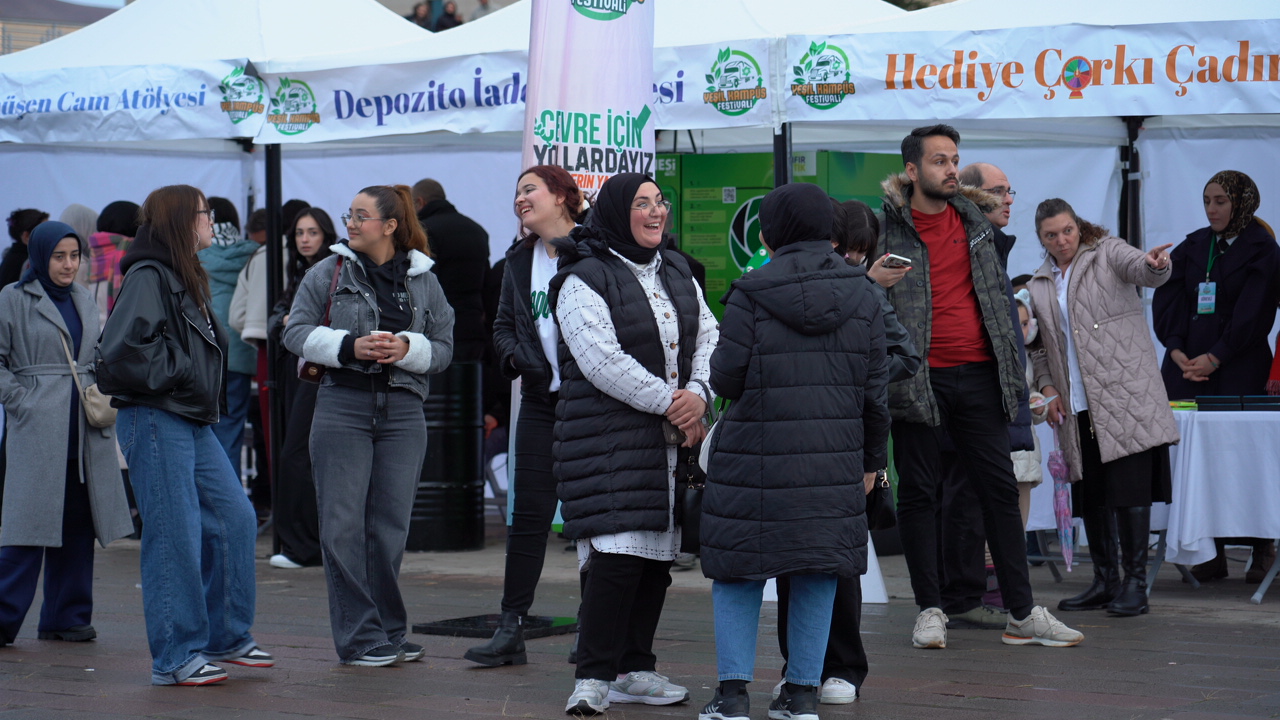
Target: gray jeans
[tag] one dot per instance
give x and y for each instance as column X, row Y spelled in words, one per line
column 366, row 450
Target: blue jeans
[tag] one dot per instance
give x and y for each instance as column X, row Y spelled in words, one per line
column 737, row 607
column 230, row 427
column 366, row 457
column 199, row 530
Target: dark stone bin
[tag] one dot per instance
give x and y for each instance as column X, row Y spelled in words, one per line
column 448, row 509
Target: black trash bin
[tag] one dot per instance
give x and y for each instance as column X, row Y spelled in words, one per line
column 448, row 509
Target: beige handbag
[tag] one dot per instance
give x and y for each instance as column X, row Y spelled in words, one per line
column 97, row 407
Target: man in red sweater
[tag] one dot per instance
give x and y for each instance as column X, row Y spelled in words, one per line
column 954, row 306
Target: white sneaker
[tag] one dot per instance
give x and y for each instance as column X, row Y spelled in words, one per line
column 837, row 692
column 590, row 697
column 930, row 630
column 1040, row 628
column 280, row 560
column 646, row 687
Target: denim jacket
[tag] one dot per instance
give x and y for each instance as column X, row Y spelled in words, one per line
column 355, row 311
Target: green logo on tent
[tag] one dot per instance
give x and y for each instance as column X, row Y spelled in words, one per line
column 735, row 83
column 603, row 9
column 822, row 78
column 744, row 232
column 293, row 107
column 242, row 95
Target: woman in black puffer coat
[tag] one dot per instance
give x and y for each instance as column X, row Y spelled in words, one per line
column 802, row 355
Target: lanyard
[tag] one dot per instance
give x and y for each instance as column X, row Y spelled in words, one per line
column 1213, row 255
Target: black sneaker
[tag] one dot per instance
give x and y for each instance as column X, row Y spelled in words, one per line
column 734, row 707
column 800, row 704
column 78, row 633
column 380, row 656
column 412, row 651
column 206, row 675
column 253, row 657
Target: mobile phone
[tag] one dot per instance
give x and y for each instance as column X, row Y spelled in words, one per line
column 896, row 261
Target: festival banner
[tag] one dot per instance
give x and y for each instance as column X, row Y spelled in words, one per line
column 590, row 79
column 213, row 99
column 716, row 86
column 1062, row 71
column 476, row 94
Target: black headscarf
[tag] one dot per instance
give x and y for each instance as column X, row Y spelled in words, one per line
column 44, row 240
column 794, row 213
column 611, row 216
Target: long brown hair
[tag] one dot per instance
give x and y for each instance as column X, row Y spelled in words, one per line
column 561, row 184
column 395, row 202
column 170, row 212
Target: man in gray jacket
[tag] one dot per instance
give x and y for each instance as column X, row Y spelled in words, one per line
column 958, row 315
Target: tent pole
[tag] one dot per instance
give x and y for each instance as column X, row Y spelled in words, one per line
column 1130, row 220
column 274, row 422
column 782, row 155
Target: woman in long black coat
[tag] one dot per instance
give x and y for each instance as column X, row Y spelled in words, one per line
column 802, row 355
column 1220, row 347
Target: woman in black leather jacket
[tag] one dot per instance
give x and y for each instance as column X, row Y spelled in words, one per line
column 162, row 358
column 549, row 205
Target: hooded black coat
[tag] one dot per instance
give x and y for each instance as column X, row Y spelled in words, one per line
column 802, row 354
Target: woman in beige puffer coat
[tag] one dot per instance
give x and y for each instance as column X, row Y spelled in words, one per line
column 1111, row 409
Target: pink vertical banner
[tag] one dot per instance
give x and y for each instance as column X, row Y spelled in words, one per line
column 590, row 84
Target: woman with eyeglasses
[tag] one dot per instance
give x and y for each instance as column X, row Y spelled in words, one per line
column 526, row 338
column 388, row 328
column 162, row 357
column 293, row 510
column 634, row 378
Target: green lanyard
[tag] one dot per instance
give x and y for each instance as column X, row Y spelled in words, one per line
column 1213, row 255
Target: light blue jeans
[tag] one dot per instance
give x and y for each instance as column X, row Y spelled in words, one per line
column 230, row 427
column 199, row 530
column 737, row 608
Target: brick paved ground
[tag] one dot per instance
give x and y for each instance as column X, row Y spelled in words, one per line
column 1201, row 655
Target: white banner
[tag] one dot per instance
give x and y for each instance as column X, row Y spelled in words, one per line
column 214, row 99
column 704, row 87
column 483, row 93
column 590, row 74
column 1066, row 71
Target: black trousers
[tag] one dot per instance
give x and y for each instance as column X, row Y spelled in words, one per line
column 969, row 399
column 296, row 517
column 962, row 572
column 846, row 658
column 621, row 604
column 535, row 503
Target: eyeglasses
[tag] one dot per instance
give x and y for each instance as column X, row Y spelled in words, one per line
column 356, row 220
column 213, row 218
column 660, row 206
column 1001, row 191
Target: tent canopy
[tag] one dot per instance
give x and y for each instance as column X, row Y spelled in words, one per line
column 178, row 69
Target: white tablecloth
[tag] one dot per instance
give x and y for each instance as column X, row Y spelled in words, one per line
column 1226, row 481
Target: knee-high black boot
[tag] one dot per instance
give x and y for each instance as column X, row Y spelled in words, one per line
column 506, row 647
column 1134, row 524
column 1100, row 526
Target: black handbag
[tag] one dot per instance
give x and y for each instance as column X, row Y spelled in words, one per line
column 881, row 514
column 691, row 481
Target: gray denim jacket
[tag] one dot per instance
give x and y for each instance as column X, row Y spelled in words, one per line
column 355, row 311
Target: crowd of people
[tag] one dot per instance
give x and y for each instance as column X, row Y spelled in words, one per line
column 862, row 327
column 448, row 17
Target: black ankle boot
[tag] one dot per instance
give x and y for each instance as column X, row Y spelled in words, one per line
column 506, row 647
column 1100, row 526
column 1134, row 524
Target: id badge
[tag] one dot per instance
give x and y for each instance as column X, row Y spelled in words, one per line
column 1207, row 298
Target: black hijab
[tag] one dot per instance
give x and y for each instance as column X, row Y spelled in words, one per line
column 44, row 240
column 797, row 212
column 611, row 216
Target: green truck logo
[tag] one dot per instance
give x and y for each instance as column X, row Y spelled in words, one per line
column 735, row 83
column 744, row 232
column 242, row 95
column 293, row 107
column 821, row 77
